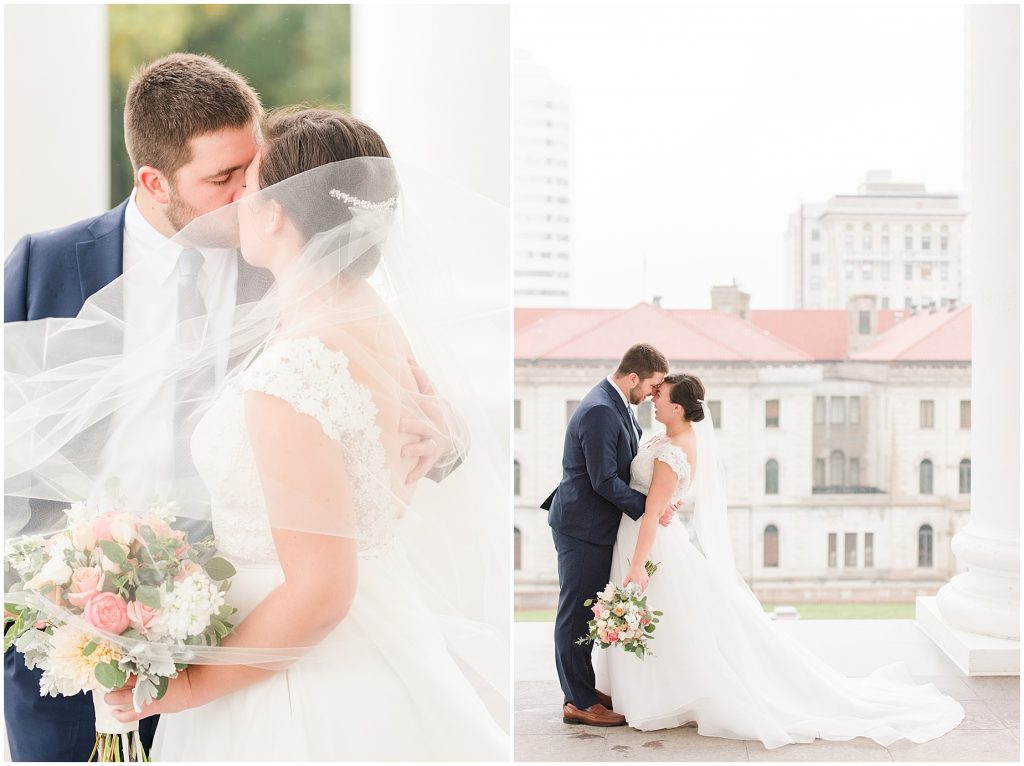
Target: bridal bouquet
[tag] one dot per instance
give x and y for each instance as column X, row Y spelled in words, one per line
column 622, row 618
column 111, row 596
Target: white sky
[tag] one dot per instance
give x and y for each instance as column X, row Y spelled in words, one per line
column 698, row 129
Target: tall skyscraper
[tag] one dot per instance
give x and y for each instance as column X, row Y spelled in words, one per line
column 543, row 188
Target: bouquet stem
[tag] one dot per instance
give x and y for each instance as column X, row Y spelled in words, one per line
column 116, row 742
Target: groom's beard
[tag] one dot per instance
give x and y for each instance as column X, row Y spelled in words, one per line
column 635, row 397
column 179, row 213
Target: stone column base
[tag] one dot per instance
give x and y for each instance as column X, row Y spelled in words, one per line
column 974, row 654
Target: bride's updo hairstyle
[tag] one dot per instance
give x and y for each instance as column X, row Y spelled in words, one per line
column 297, row 139
column 687, row 391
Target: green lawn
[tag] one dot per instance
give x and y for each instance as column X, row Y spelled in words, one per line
column 807, row 612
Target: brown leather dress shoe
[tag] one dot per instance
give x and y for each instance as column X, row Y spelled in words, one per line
column 595, row 715
column 604, row 699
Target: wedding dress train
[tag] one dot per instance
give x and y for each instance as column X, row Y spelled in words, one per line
column 720, row 661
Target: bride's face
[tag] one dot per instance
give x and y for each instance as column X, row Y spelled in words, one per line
column 665, row 410
column 252, row 226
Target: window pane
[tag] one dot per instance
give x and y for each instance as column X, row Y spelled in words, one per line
column 837, row 469
column 819, row 409
column 965, row 477
column 865, row 323
column 855, row 409
column 517, row 480
column 517, row 413
column 771, row 546
column 850, row 548
column 838, row 409
column 771, row 478
column 927, row 413
column 645, row 414
column 831, row 549
column 924, row 546
column 771, row 413
column 716, row 413
column 965, row 413
column 869, row 549
column 925, row 483
column 517, row 548
column 819, row 472
column 854, row 472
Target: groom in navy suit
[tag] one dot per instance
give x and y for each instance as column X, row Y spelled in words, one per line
column 584, row 512
column 191, row 127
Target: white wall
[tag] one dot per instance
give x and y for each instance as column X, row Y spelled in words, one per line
column 434, row 80
column 56, row 117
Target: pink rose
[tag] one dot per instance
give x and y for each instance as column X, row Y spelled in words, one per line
column 102, row 527
column 85, row 582
column 187, row 569
column 140, row 615
column 612, row 636
column 160, row 527
column 596, row 609
column 107, row 611
column 183, row 548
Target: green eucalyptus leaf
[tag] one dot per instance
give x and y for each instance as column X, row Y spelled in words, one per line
column 219, row 569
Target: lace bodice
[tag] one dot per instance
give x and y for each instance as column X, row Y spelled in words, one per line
column 316, row 382
column 641, row 470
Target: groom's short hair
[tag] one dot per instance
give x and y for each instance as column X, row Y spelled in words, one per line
column 178, row 97
column 643, row 359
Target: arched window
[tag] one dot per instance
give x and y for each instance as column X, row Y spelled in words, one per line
column 926, row 477
column 837, row 469
column 965, row 476
column 517, row 479
column 517, row 548
column 771, row 546
column 924, row 546
column 771, row 477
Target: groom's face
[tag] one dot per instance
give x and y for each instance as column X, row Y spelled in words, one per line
column 213, row 177
column 644, row 388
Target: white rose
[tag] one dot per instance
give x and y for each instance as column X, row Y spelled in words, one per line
column 608, row 593
column 122, row 529
column 602, row 624
column 83, row 536
column 56, row 571
column 605, row 614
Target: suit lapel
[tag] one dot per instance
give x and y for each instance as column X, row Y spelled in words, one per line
column 101, row 259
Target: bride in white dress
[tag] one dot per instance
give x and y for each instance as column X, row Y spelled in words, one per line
column 301, row 454
column 718, row 660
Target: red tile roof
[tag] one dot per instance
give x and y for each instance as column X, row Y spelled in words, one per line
column 944, row 335
column 787, row 336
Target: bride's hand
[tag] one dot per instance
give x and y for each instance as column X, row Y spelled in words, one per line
column 177, row 698
column 637, row 574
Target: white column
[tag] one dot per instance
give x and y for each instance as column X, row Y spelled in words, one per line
column 56, row 117
column 978, row 612
column 434, row 80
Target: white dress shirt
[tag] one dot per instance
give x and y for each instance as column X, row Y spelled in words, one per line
column 625, row 401
column 150, row 314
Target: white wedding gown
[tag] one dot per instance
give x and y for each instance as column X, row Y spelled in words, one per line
column 720, row 661
column 382, row 686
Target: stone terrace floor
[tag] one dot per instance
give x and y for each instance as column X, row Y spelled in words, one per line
column 990, row 730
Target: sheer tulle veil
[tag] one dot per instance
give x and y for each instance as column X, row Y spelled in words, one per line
column 391, row 263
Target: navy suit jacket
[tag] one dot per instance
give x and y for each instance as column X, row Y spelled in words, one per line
column 52, row 273
column 600, row 443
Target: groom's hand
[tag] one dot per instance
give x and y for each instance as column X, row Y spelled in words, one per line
column 429, row 424
column 670, row 513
